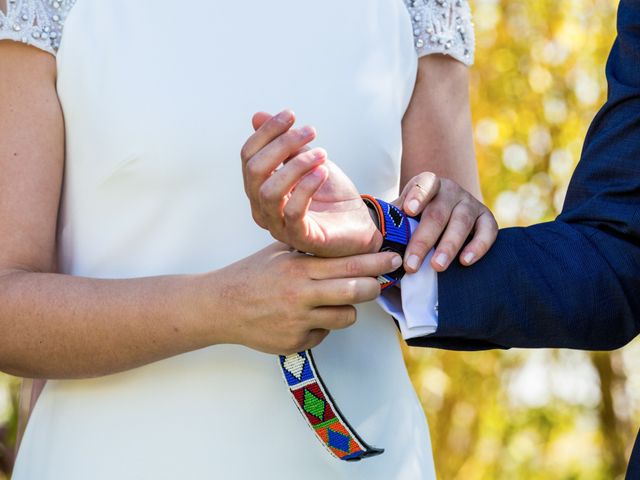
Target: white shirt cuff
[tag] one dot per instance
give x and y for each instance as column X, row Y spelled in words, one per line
column 415, row 304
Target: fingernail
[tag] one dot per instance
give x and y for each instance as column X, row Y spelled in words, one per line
column 468, row 258
column 306, row 132
column 396, row 262
column 413, row 261
column 414, row 205
column 319, row 153
column 284, row 116
column 442, row 259
column 318, row 172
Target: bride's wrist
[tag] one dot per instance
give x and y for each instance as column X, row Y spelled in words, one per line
column 375, row 243
column 376, row 239
column 208, row 318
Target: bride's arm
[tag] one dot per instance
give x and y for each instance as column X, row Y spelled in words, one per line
column 438, row 138
column 437, row 131
column 59, row 326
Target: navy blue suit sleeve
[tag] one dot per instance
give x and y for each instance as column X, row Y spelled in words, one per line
column 573, row 282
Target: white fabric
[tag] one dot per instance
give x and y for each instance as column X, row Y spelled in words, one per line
column 157, row 102
column 439, row 26
column 414, row 303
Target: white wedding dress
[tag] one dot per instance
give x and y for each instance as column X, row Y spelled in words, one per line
column 157, row 98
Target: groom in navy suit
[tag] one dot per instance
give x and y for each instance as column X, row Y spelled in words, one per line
column 573, row 282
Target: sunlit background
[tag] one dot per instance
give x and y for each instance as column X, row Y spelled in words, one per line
column 537, row 83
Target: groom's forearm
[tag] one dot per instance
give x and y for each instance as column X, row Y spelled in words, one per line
column 574, row 282
column 549, row 285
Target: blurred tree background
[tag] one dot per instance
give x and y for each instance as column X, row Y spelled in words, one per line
column 9, row 387
column 537, row 83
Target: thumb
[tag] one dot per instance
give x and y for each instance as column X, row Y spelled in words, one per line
column 259, row 119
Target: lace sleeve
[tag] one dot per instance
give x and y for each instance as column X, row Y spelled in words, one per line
column 443, row 26
column 35, row 22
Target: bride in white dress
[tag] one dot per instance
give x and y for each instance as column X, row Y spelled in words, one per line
column 121, row 133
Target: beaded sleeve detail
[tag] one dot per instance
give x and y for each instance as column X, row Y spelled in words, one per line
column 35, row 22
column 443, row 26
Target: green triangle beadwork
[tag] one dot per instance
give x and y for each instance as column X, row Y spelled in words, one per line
column 314, row 405
column 326, row 424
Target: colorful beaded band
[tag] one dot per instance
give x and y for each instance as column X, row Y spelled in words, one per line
column 396, row 232
column 307, row 389
column 320, row 411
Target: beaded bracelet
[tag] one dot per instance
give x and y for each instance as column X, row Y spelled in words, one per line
column 306, row 386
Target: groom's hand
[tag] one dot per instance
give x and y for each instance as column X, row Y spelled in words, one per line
column 299, row 195
column 453, row 222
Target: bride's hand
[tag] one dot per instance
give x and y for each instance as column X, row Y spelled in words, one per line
column 308, row 203
column 280, row 301
column 450, row 215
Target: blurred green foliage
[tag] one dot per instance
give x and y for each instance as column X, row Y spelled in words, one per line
column 537, row 83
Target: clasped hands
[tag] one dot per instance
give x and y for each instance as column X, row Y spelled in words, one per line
column 308, row 204
column 306, row 201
